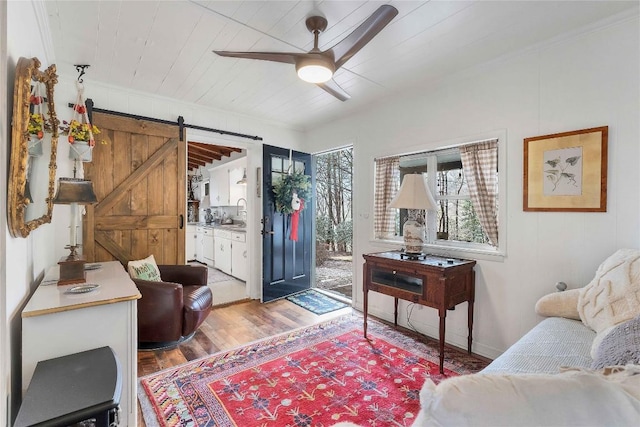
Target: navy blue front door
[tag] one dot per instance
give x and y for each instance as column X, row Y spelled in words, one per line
column 286, row 264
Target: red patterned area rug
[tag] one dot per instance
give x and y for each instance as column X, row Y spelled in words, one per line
column 315, row 376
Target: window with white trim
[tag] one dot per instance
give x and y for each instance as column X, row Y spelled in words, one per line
column 464, row 184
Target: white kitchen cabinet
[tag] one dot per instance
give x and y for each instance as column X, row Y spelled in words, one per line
column 199, row 245
column 207, row 246
column 223, row 250
column 205, row 189
column 239, row 260
column 190, row 247
column 224, row 187
column 237, row 191
column 219, row 180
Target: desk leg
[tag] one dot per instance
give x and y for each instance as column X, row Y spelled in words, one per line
column 365, row 301
column 470, row 323
column 395, row 312
column 443, row 315
column 365, row 308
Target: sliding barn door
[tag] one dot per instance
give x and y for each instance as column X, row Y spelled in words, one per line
column 138, row 175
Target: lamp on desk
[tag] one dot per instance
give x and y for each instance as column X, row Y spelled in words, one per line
column 413, row 194
column 73, row 192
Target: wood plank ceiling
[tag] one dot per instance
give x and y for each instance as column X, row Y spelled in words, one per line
column 200, row 154
column 164, row 47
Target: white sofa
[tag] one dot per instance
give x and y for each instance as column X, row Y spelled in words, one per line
column 582, row 369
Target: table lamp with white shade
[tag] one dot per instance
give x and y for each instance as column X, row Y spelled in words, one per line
column 413, row 194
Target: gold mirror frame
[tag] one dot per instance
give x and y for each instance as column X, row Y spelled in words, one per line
column 28, row 70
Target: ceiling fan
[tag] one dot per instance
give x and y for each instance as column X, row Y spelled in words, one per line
column 318, row 66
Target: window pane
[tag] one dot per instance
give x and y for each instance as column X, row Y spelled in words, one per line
column 457, row 220
column 450, row 179
column 276, row 164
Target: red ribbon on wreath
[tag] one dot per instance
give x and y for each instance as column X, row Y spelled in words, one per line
column 295, row 219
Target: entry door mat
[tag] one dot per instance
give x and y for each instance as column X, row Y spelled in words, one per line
column 314, row 376
column 316, row 302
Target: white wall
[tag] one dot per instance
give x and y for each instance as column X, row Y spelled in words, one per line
column 24, row 260
column 580, row 81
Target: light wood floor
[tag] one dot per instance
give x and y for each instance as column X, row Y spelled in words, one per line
column 229, row 327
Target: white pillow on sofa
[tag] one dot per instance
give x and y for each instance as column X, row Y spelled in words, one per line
column 613, row 296
column 559, row 304
column 572, row 398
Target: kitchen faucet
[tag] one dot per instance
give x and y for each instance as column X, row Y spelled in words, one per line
column 238, row 207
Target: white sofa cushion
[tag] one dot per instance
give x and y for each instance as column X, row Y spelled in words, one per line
column 571, row 398
column 552, row 343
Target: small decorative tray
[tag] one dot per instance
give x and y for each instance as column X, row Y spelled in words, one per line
column 82, row 289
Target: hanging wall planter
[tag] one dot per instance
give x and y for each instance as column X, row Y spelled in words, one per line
column 81, row 151
column 34, row 146
column 81, row 133
column 38, row 122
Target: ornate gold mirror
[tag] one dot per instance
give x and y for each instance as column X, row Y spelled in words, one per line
column 34, row 145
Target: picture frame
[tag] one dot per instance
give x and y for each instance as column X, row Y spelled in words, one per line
column 566, row 172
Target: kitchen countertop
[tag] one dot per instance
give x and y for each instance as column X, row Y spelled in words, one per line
column 230, row 227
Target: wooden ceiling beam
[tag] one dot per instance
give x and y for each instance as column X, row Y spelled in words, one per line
column 212, row 150
column 197, row 162
column 206, row 153
column 203, row 157
column 200, row 154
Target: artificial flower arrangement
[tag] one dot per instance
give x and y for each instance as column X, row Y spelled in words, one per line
column 80, row 131
column 36, row 125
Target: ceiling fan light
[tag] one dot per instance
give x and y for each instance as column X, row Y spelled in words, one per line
column 315, row 70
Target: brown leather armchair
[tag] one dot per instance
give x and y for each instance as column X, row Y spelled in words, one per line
column 171, row 311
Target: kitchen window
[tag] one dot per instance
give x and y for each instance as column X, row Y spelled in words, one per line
column 464, row 183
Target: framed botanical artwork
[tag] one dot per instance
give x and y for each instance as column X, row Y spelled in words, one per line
column 566, row 172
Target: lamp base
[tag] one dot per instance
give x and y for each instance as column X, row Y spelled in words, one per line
column 413, row 233
column 72, row 270
column 412, row 256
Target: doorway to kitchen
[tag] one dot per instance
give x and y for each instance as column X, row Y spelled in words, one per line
column 334, row 223
column 217, row 214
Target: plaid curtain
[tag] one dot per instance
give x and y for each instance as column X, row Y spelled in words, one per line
column 480, row 164
column 386, row 186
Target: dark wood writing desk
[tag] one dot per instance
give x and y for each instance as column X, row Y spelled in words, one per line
column 433, row 281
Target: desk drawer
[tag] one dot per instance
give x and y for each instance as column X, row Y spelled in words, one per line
column 401, row 280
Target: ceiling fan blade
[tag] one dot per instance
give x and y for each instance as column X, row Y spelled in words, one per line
column 350, row 45
column 332, row 87
column 286, row 57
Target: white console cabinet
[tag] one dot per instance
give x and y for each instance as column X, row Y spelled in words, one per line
column 56, row 323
